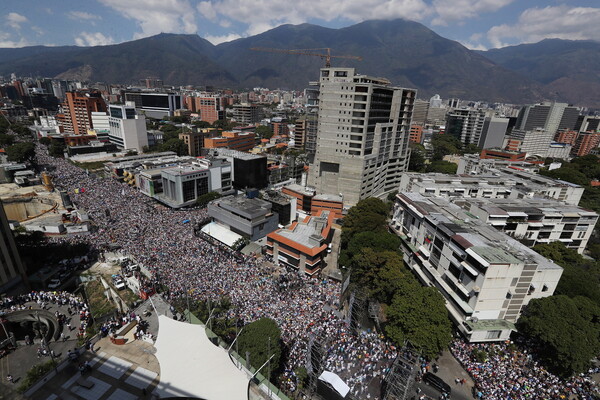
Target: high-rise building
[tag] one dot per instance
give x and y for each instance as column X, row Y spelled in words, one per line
column 586, row 142
column 12, row 270
column 588, row 123
column 494, row 129
column 362, row 135
column 77, row 109
column 127, row 128
column 420, row 112
column 211, row 109
column 154, row 104
column 466, row 125
column 246, row 114
column 548, row 116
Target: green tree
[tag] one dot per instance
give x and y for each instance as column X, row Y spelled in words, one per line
column 416, row 163
column 379, row 272
column 45, row 141
column 568, row 331
column 418, row 314
column 203, row 200
column 264, row 132
column 6, row 140
column 444, row 145
column 176, row 145
column 201, row 124
column 445, row 167
column 180, row 119
column 581, row 277
column 258, row 338
column 223, row 124
column 56, row 149
column 20, row 152
column 569, row 174
column 377, row 240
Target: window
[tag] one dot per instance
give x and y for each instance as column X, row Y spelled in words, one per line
column 493, row 334
column 188, row 191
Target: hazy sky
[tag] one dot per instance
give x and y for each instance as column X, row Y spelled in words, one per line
column 478, row 24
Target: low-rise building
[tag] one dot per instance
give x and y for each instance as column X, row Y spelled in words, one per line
column 252, row 218
column 327, row 202
column 182, row 184
column 303, row 246
column 249, row 170
column 240, row 141
column 486, row 277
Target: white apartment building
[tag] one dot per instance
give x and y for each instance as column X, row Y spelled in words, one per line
column 537, row 220
column 127, row 128
column 486, row 276
column 362, row 135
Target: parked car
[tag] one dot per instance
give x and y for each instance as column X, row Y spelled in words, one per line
column 436, row 382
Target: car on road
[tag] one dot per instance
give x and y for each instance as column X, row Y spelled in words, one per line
column 436, row 382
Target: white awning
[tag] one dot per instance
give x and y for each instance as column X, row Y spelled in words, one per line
column 469, row 269
column 425, row 252
column 498, row 223
column 192, row 366
column 517, row 214
column 336, row 382
column 536, row 224
column 476, row 256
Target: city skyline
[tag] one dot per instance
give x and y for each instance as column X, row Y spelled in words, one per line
column 475, row 24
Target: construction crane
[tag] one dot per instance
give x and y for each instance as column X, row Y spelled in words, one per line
column 308, row 52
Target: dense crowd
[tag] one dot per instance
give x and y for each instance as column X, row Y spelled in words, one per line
column 508, row 373
column 158, row 239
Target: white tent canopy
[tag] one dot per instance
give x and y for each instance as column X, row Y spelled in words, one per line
column 192, row 366
column 336, row 382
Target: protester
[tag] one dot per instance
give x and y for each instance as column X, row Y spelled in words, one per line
column 156, row 237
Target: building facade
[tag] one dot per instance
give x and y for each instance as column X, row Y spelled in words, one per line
column 466, row 125
column 246, row 114
column 303, row 246
column 486, row 277
column 127, row 128
column 12, row 270
column 535, row 220
column 77, row 109
column 252, row 218
column 362, row 135
column 154, row 104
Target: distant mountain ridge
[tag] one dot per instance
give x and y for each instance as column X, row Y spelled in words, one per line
column 567, row 68
column 407, row 53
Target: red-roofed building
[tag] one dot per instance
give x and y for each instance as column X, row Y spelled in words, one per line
column 302, row 246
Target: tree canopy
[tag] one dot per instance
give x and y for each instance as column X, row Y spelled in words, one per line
column 445, row 167
column 372, row 254
column 20, row 152
column 567, row 329
column 204, row 199
column 256, row 338
column 264, row 132
column 176, row 145
column 418, row 314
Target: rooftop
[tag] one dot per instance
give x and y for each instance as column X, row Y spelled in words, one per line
column 307, row 232
column 476, row 236
column 235, row 154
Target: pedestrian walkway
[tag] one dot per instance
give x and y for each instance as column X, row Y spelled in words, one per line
column 122, row 372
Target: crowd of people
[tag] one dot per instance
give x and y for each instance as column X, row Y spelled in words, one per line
column 508, row 373
column 159, row 240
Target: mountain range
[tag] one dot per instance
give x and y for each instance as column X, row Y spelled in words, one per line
column 407, row 53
